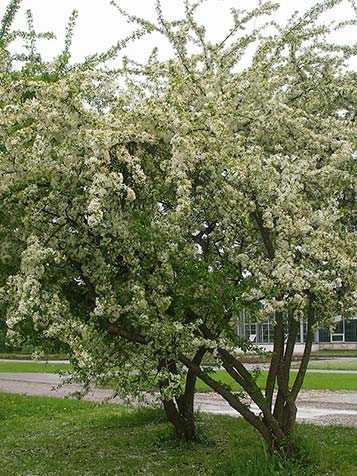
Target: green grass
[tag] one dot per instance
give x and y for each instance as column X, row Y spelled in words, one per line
column 330, row 381
column 53, row 437
column 335, row 353
column 26, row 356
column 313, row 381
column 338, row 365
column 33, row 367
column 50, row 437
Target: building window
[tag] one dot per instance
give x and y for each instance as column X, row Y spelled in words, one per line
column 263, row 332
column 324, row 336
column 351, row 331
column 337, row 338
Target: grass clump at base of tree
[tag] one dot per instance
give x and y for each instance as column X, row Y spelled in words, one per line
column 54, row 437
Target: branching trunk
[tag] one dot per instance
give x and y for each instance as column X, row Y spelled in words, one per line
column 307, row 352
column 184, row 424
column 180, row 410
column 284, row 407
column 277, row 417
column 233, row 400
column 276, row 359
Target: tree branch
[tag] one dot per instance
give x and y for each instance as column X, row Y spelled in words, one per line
column 114, row 329
column 307, row 351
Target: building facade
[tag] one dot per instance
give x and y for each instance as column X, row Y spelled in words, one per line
column 342, row 337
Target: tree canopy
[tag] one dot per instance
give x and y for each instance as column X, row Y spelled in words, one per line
column 145, row 207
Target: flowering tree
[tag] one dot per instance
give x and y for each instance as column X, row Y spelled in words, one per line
column 53, row 116
column 150, row 214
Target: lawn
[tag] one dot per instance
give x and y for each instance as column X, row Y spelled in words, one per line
column 33, row 367
column 313, row 381
column 338, row 365
column 53, row 437
column 28, row 356
column 335, row 353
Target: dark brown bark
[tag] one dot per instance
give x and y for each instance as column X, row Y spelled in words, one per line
column 284, row 413
column 290, row 344
column 275, row 422
column 274, row 425
column 229, row 396
column 180, row 410
column 184, row 425
column 186, row 401
column 277, row 440
column 285, row 408
column 242, row 375
column 114, row 329
column 276, row 359
column 307, row 352
column 265, row 234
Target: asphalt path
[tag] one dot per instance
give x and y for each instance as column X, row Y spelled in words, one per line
column 318, row 407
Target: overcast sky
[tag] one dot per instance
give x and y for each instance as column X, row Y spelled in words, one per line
column 100, row 25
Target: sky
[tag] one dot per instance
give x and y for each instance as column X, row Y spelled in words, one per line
column 100, row 25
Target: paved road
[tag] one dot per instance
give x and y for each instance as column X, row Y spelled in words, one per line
column 319, row 407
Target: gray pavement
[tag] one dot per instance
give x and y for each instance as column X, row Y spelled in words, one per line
column 319, row 407
column 210, row 404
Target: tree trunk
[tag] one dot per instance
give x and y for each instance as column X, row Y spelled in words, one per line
column 276, row 418
column 184, row 423
column 180, row 409
column 285, row 448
